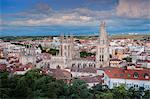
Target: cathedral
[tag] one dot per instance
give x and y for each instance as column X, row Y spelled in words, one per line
column 102, row 55
column 69, row 56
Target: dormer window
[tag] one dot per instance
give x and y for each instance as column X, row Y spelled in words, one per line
column 25, row 68
column 129, row 75
column 135, row 75
column 121, row 75
column 146, row 76
column 73, row 65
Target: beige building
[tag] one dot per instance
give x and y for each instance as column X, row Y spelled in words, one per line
column 69, row 56
column 102, row 55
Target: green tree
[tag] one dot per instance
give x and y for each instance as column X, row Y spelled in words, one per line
column 135, row 93
column 53, row 51
column 98, row 91
column 86, row 54
column 22, row 90
column 4, row 82
column 120, row 92
column 104, row 95
column 146, row 94
column 128, row 59
column 40, row 46
column 79, row 89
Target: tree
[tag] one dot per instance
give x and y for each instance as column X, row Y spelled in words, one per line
column 4, row 89
column 22, row 90
column 40, row 46
column 128, row 59
column 100, row 91
column 104, row 95
column 36, row 85
column 86, row 54
column 53, row 51
column 135, row 93
column 147, row 94
column 120, row 92
column 79, row 89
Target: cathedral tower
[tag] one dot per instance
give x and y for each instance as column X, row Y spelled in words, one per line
column 66, row 49
column 102, row 55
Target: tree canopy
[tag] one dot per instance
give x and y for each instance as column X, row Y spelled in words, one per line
column 35, row 85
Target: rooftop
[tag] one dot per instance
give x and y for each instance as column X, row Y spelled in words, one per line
column 121, row 73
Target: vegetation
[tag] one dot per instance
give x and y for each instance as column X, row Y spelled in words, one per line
column 126, row 36
column 52, row 51
column 128, row 59
column 34, row 85
column 21, row 38
column 86, row 54
column 26, row 45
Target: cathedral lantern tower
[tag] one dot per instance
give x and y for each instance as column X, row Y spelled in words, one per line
column 102, row 55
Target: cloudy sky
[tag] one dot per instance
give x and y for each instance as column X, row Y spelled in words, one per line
column 78, row 17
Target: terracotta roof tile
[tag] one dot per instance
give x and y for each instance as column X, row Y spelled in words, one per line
column 60, row 74
column 127, row 74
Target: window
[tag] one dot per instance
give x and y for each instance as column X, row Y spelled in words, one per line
column 129, row 75
column 134, row 85
column 58, row 67
column 90, row 65
column 84, row 65
column 65, row 47
column 94, row 65
column 100, row 58
column 135, row 75
column 114, row 84
column 146, row 76
column 79, row 65
column 73, row 65
column 121, row 75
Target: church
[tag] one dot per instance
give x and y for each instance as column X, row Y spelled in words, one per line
column 69, row 56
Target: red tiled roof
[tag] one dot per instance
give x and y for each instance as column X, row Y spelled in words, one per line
column 60, row 74
column 19, row 68
column 127, row 74
column 91, row 58
column 2, row 67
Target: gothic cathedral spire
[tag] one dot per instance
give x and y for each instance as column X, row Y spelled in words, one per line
column 102, row 55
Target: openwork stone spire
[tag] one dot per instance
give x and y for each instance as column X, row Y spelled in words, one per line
column 102, row 55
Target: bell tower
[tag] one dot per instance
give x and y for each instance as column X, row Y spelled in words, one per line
column 67, row 49
column 102, row 55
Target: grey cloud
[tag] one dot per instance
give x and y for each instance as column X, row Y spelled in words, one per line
column 133, row 8
column 42, row 14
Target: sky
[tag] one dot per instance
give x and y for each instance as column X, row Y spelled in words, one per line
column 76, row 17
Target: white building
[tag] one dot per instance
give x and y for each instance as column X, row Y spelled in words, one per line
column 129, row 77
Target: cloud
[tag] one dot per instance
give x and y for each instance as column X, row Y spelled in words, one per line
column 133, row 15
column 44, row 15
column 133, row 8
